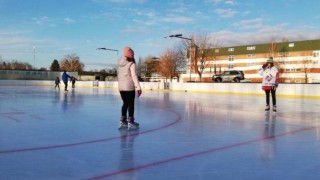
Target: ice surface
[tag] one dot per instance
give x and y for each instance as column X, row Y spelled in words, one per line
column 51, row 134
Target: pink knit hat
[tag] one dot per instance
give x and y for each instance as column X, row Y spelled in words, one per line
column 128, row 52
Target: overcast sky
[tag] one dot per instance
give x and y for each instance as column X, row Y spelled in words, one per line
column 55, row 28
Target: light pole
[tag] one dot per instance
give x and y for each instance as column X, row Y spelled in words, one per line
column 107, row 49
column 34, row 57
column 155, row 62
column 181, row 37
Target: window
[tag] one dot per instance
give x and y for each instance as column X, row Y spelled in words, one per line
column 231, row 59
column 216, row 50
column 251, row 55
column 293, row 70
column 286, row 54
column 316, row 54
column 231, row 49
column 250, row 48
column 226, row 73
column 291, row 44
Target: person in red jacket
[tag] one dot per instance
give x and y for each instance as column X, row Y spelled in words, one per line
column 270, row 81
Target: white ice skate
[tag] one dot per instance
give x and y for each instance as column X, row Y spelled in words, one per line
column 274, row 109
column 267, row 109
column 123, row 123
column 132, row 125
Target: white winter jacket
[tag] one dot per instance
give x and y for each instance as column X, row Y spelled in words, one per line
column 270, row 77
column 127, row 76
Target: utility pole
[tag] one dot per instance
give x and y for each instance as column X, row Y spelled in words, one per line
column 191, row 41
column 34, row 57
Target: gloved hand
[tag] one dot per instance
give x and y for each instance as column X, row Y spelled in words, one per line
column 139, row 93
column 274, row 86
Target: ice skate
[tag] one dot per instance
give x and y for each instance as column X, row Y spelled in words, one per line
column 267, row 108
column 132, row 125
column 123, row 123
column 274, row 109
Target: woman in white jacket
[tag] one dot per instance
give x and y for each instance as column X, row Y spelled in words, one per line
column 127, row 83
column 270, row 81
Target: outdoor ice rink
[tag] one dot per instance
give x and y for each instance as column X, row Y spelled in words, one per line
column 47, row 134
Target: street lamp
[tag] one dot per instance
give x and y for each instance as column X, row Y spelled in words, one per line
column 181, row 37
column 178, row 36
column 107, row 49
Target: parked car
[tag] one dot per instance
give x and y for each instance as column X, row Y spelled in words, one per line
column 229, row 76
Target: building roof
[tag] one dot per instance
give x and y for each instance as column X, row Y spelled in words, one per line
column 307, row 45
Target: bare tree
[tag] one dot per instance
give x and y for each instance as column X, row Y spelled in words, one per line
column 166, row 65
column 180, row 61
column 71, row 63
column 15, row 65
column 272, row 51
column 3, row 65
column 198, row 52
column 306, row 66
column 147, row 67
column 201, row 59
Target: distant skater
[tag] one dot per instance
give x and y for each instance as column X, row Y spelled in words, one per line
column 73, row 81
column 57, row 82
column 127, row 83
column 65, row 77
column 270, row 81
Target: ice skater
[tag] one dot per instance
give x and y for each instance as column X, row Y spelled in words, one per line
column 65, row 77
column 73, row 81
column 270, row 81
column 57, row 82
column 127, row 83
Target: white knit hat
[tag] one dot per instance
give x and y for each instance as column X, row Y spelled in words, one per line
column 270, row 60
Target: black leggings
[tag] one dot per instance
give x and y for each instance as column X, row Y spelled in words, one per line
column 128, row 102
column 273, row 94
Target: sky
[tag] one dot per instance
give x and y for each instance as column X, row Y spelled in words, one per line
column 39, row 31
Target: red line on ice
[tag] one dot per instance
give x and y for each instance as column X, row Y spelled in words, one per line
column 213, row 150
column 178, row 118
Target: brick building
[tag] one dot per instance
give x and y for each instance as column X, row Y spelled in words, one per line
column 298, row 62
